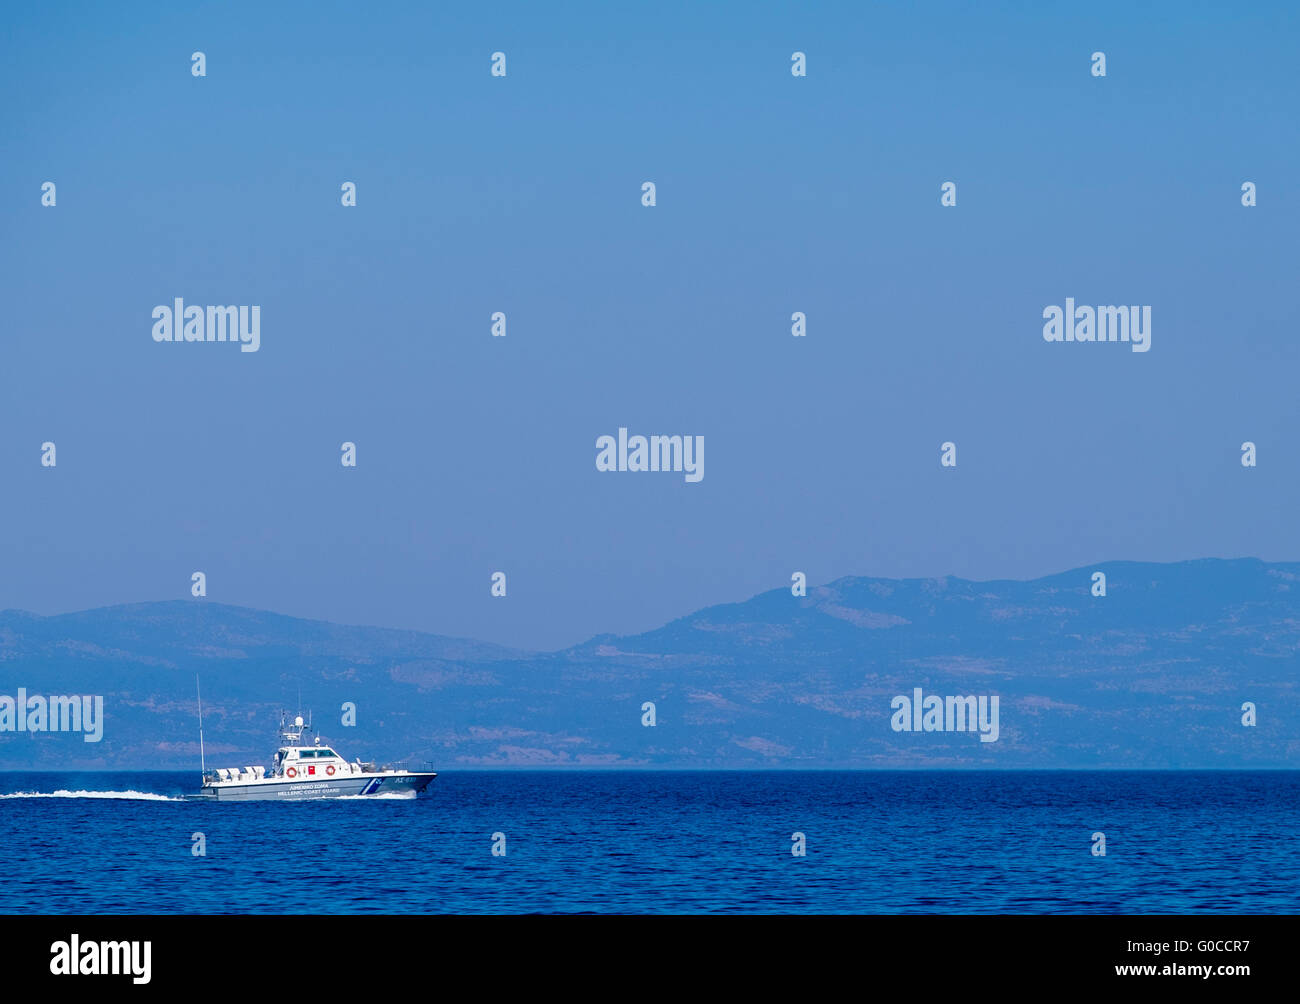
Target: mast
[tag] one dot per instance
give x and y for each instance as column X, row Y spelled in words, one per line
column 202, row 762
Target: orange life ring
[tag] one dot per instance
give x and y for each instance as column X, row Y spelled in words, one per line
column 330, row 770
column 292, row 772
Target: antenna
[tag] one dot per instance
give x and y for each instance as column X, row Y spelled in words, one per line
column 202, row 761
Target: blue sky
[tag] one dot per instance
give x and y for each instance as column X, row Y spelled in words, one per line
column 522, row 194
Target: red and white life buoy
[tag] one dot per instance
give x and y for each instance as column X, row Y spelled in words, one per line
column 330, row 770
column 292, row 772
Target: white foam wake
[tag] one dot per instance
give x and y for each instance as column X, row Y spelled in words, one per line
column 400, row 796
column 145, row 796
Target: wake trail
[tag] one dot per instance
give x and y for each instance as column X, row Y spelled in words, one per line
column 142, row 796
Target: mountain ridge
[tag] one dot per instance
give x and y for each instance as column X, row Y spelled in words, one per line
column 1154, row 673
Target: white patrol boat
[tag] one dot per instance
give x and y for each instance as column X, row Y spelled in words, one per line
column 303, row 771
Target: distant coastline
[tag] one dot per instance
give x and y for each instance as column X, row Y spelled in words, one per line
column 1188, row 665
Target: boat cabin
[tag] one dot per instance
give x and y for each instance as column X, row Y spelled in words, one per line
column 310, row 761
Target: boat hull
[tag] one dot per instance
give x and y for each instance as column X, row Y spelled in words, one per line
column 281, row 789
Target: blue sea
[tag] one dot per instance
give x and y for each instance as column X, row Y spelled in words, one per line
column 665, row 842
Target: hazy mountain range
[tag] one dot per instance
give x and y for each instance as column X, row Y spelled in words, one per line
column 1154, row 674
